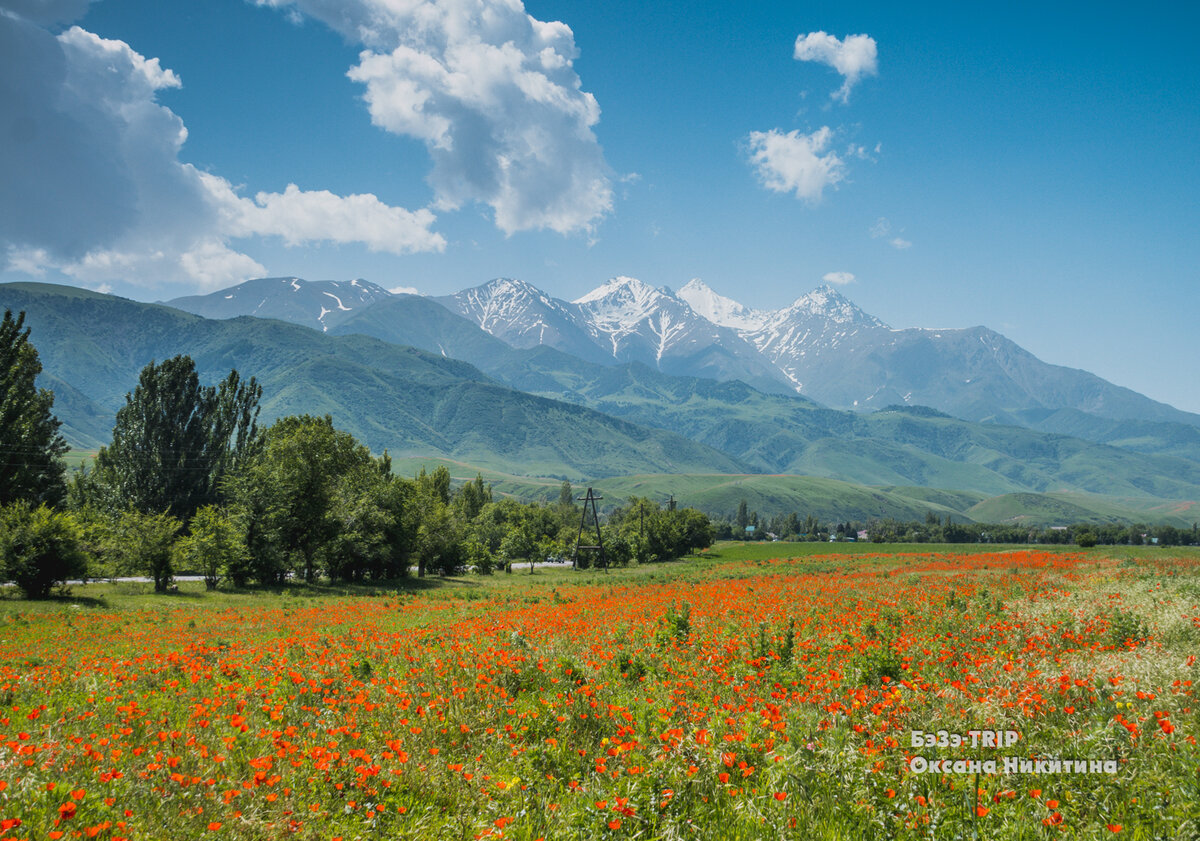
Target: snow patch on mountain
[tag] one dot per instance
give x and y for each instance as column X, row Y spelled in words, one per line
column 718, row 309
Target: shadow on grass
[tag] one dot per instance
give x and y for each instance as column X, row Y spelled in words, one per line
column 343, row 589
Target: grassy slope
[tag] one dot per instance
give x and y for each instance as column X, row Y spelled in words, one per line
column 403, row 399
column 416, row 403
column 782, row 434
column 830, row 499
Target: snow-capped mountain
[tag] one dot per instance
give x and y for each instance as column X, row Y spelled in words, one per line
column 523, row 316
column 635, row 322
column 823, row 322
column 832, row 351
column 718, row 309
column 821, row 345
column 638, row 322
column 313, row 303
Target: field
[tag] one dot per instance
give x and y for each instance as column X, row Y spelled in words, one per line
column 760, row 691
column 831, row 499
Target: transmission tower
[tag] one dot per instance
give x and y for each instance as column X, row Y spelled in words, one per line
column 590, row 501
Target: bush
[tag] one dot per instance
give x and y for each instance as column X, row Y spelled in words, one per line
column 1085, row 540
column 213, row 548
column 478, row 558
column 143, row 545
column 39, row 548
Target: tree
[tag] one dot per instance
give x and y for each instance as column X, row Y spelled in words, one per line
column 370, row 540
column 566, row 495
column 471, row 498
column 439, row 542
column 174, row 440
column 143, row 544
column 288, row 495
column 31, row 447
column 39, row 548
column 743, row 517
column 213, row 546
column 697, row 529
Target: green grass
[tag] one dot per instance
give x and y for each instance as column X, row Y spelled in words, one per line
column 78, row 458
column 658, row 702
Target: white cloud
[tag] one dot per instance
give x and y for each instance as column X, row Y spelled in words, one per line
column 794, row 162
column 45, row 11
column 838, row 278
column 853, row 58
column 93, row 183
column 882, row 229
column 493, row 94
column 304, row 217
column 404, row 290
column 213, row 265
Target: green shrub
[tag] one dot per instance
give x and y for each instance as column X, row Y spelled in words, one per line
column 143, row 545
column 39, row 548
column 675, row 626
column 1126, row 630
column 214, row 546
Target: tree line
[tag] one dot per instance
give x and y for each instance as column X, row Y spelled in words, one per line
column 190, row 481
column 934, row 529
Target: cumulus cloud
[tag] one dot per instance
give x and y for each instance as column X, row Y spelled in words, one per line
column 838, row 278
column 94, row 186
column 493, row 94
column 303, row 217
column 853, row 58
column 404, row 290
column 796, row 162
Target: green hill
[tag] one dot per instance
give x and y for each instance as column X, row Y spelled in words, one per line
column 402, row 399
column 831, row 500
column 896, row 446
column 559, row 416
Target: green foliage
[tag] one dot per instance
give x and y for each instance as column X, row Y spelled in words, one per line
column 675, row 627
column 477, row 557
column 1126, row 629
column 39, row 548
column 214, row 546
column 1085, row 539
column 143, row 544
column 31, row 447
column 174, row 440
column 880, row 665
column 787, row 649
column 655, row 534
column 312, row 498
column 471, row 497
column 566, row 495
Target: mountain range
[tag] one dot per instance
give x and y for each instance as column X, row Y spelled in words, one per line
column 659, row 383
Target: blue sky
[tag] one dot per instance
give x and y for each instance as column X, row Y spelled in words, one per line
column 1027, row 168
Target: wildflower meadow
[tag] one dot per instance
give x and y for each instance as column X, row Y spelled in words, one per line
column 740, row 694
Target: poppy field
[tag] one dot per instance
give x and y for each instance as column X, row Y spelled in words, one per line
column 716, row 697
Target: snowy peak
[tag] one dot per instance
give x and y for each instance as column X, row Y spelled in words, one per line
column 508, row 306
column 718, row 309
column 827, row 304
column 622, row 304
column 623, row 291
column 318, row 303
column 523, row 316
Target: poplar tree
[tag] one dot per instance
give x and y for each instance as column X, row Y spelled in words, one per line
column 174, row 440
column 31, row 447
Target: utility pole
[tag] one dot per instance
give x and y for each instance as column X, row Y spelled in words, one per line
column 589, row 501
